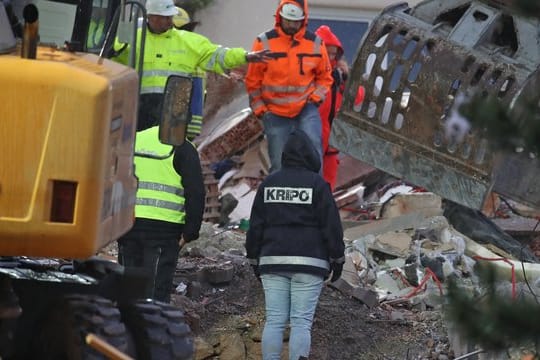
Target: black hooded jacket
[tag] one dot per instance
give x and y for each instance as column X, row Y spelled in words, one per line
column 295, row 224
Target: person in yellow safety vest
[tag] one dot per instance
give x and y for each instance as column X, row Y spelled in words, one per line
column 169, row 51
column 182, row 21
column 168, row 210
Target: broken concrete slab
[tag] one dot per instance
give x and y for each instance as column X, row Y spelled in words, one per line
column 393, row 243
column 408, row 221
column 203, row 350
column 366, row 296
column 504, row 268
column 231, row 346
column 218, row 274
column 518, row 225
column 427, row 204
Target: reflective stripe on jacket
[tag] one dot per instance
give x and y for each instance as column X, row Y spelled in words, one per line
column 300, row 71
column 160, row 195
column 197, row 104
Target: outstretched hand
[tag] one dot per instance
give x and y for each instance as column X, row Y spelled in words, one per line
column 258, row 56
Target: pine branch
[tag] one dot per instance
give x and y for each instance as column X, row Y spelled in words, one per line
column 491, row 320
column 507, row 129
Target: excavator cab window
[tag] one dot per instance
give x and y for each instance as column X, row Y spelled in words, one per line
column 62, row 23
column 78, row 25
column 101, row 17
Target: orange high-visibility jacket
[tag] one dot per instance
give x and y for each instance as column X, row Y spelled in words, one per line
column 299, row 72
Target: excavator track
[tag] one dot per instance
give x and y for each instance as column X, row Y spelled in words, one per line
column 64, row 327
column 159, row 330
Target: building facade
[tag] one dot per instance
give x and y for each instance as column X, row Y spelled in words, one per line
column 238, row 22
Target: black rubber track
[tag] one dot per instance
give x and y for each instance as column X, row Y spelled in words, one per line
column 159, row 330
column 65, row 326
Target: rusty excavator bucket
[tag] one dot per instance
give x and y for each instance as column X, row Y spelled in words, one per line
column 413, row 64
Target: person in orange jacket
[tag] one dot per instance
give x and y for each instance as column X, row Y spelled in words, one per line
column 285, row 93
column 331, row 105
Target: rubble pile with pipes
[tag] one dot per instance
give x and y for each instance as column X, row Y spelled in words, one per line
column 400, row 259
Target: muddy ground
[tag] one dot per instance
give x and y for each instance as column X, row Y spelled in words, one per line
column 344, row 328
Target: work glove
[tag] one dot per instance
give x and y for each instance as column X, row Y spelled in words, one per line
column 255, row 269
column 339, row 77
column 258, row 56
column 336, row 268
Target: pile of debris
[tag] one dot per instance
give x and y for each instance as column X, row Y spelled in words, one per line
column 403, row 242
column 395, row 264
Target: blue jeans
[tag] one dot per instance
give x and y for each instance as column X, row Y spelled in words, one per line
column 289, row 298
column 277, row 129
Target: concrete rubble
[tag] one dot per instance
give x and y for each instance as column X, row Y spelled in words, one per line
column 401, row 248
column 400, row 263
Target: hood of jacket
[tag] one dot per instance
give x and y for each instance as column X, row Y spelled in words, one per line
column 330, row 39
column 303, row 4
column 299, row 151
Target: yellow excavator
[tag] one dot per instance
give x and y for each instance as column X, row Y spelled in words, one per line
column 67, row 187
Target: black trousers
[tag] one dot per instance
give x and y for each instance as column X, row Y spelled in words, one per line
column 155, row 251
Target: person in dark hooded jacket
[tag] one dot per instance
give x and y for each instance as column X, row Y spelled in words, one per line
column 294, row 242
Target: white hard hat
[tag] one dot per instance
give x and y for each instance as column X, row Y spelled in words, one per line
column 161, row 7
column 291, row 12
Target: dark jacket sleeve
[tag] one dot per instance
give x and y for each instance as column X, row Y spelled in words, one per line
column 254, row 236
column 188, row 165
column 330, row 223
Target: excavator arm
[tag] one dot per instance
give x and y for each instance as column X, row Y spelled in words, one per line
column 414, row 65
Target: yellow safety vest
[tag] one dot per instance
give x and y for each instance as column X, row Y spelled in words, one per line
column 160, row 195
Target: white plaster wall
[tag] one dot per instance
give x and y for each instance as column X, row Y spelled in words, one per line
column 237, row 22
